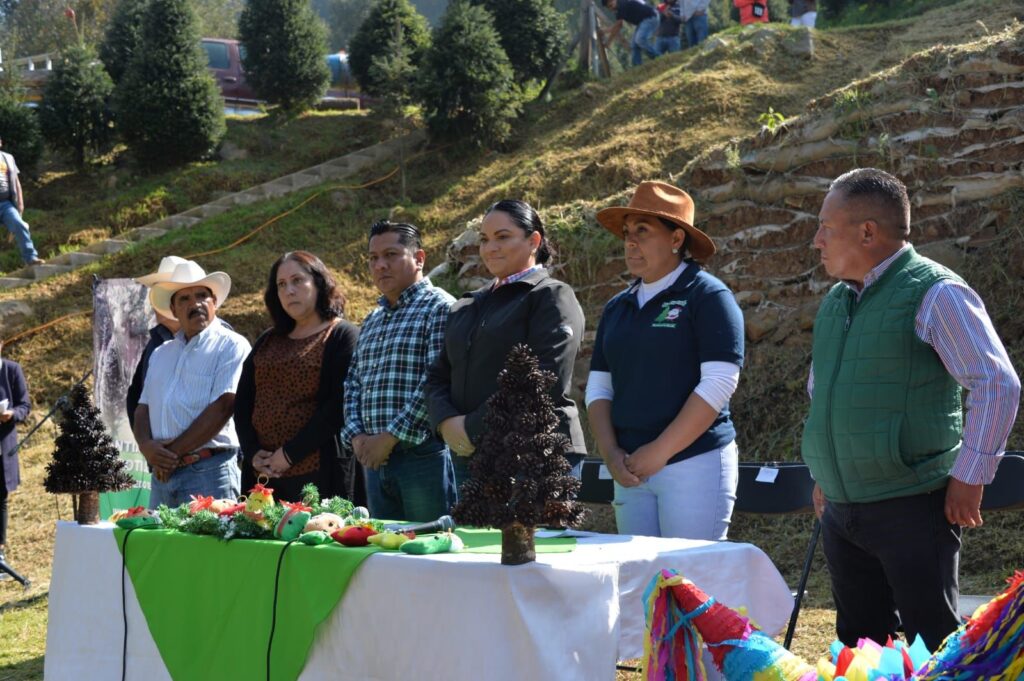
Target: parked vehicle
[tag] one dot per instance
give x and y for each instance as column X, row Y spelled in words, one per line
column 224, row 59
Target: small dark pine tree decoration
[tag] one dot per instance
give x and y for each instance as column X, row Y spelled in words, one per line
column 85, row 460
column 519, row 476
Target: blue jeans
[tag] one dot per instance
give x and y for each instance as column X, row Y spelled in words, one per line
column 217, row 476
column 666, row 44
column 643, row 38
column 696, row 29
column 416, row 483
column 10, row 216
column 462, row 466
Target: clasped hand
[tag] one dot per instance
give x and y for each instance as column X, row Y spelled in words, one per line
column 271, row 464
column 373, row 450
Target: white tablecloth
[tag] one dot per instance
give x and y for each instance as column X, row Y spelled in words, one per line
column 567, row 616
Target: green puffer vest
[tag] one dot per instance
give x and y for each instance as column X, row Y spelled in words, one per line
column 885, row 417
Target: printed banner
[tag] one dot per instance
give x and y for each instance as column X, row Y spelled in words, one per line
column 122, row 318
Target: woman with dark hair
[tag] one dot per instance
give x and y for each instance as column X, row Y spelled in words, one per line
column 522, row 305
column 289, row 404
column 666, row 360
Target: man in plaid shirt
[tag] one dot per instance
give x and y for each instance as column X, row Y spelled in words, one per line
column 409, row 472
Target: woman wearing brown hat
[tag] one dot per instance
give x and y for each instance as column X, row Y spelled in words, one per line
column 666, row 361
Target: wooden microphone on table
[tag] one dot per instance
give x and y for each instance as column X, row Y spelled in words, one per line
column 442, row 524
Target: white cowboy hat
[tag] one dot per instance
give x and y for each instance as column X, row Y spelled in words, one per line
column 163, row 273
column 186, row 275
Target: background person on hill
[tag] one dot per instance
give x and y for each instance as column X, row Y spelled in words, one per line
column 523, row 304
column 694, row 14
column 669, row 23
column 409, row 473
column 752, row 11
column 803, row 12
column 12, row 206
column 291, row 394
column 899, row 471
column 14, row 408
column 643, row 17
column 666, row 360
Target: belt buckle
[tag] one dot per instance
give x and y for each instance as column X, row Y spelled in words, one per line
column 190, row 459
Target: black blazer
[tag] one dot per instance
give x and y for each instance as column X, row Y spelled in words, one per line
column 482, row 328
column 15, row 391
column 326, row 423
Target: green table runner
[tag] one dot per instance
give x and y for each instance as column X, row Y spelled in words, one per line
column 489, row 541
column 209, row 602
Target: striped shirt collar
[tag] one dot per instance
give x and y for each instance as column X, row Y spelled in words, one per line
column 876, row 272
column 405, row 297
column 516, row 277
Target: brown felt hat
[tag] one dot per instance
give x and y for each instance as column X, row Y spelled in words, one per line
column 665, row 201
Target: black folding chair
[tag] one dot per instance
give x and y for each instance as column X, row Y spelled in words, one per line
column 778, row 488
column 1006, row 492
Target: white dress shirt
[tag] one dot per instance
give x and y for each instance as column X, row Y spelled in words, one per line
column 185, row 377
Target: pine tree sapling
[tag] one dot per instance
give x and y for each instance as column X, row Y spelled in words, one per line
column 532, row 32
column 519, row 476
column 75, row 113
column 467, row 85
column 285, row 45
column 169, row 107
column 19, row 129
column 123, row 38
column 373, row 39
column 85, row 460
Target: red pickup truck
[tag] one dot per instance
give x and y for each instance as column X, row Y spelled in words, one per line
column 224, row 59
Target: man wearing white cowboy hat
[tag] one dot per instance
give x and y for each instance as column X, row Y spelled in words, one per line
column 183, row 421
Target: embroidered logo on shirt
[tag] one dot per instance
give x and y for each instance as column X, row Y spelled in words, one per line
column 670, row 312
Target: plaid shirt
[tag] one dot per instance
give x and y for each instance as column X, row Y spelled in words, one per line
column 384, row 387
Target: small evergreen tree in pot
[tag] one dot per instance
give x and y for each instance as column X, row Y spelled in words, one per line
column 169, row 107
column 467, row 85
column 85, row 460
column 123, row 37
column 374, row 39
column 75, row 113
column 285, row 52
column 519, row 476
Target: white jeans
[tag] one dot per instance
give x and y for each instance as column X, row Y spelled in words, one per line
column 806, row 19
column 691, row 499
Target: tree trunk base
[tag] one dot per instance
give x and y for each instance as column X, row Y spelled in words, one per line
column 517, row 545
column 88, row 510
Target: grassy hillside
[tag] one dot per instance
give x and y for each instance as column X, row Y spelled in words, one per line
column 572, row 155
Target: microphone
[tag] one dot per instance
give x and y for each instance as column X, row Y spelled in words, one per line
column 442, row 524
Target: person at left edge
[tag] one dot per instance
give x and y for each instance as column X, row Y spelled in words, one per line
column 288, row 409
column 409, row 473
column 523, row 304
column 14, row 395
column 183, row 422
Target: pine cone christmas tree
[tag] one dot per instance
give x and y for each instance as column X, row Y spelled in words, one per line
column 85, row 458
column 519, row 476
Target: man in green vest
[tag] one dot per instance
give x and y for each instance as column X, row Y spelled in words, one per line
column 900, row 466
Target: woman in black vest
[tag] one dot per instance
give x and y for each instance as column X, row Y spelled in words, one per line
column 522, row 305
column 666, row 360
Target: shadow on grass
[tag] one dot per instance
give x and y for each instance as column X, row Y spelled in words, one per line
column 23, row 671
column 26, row 602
